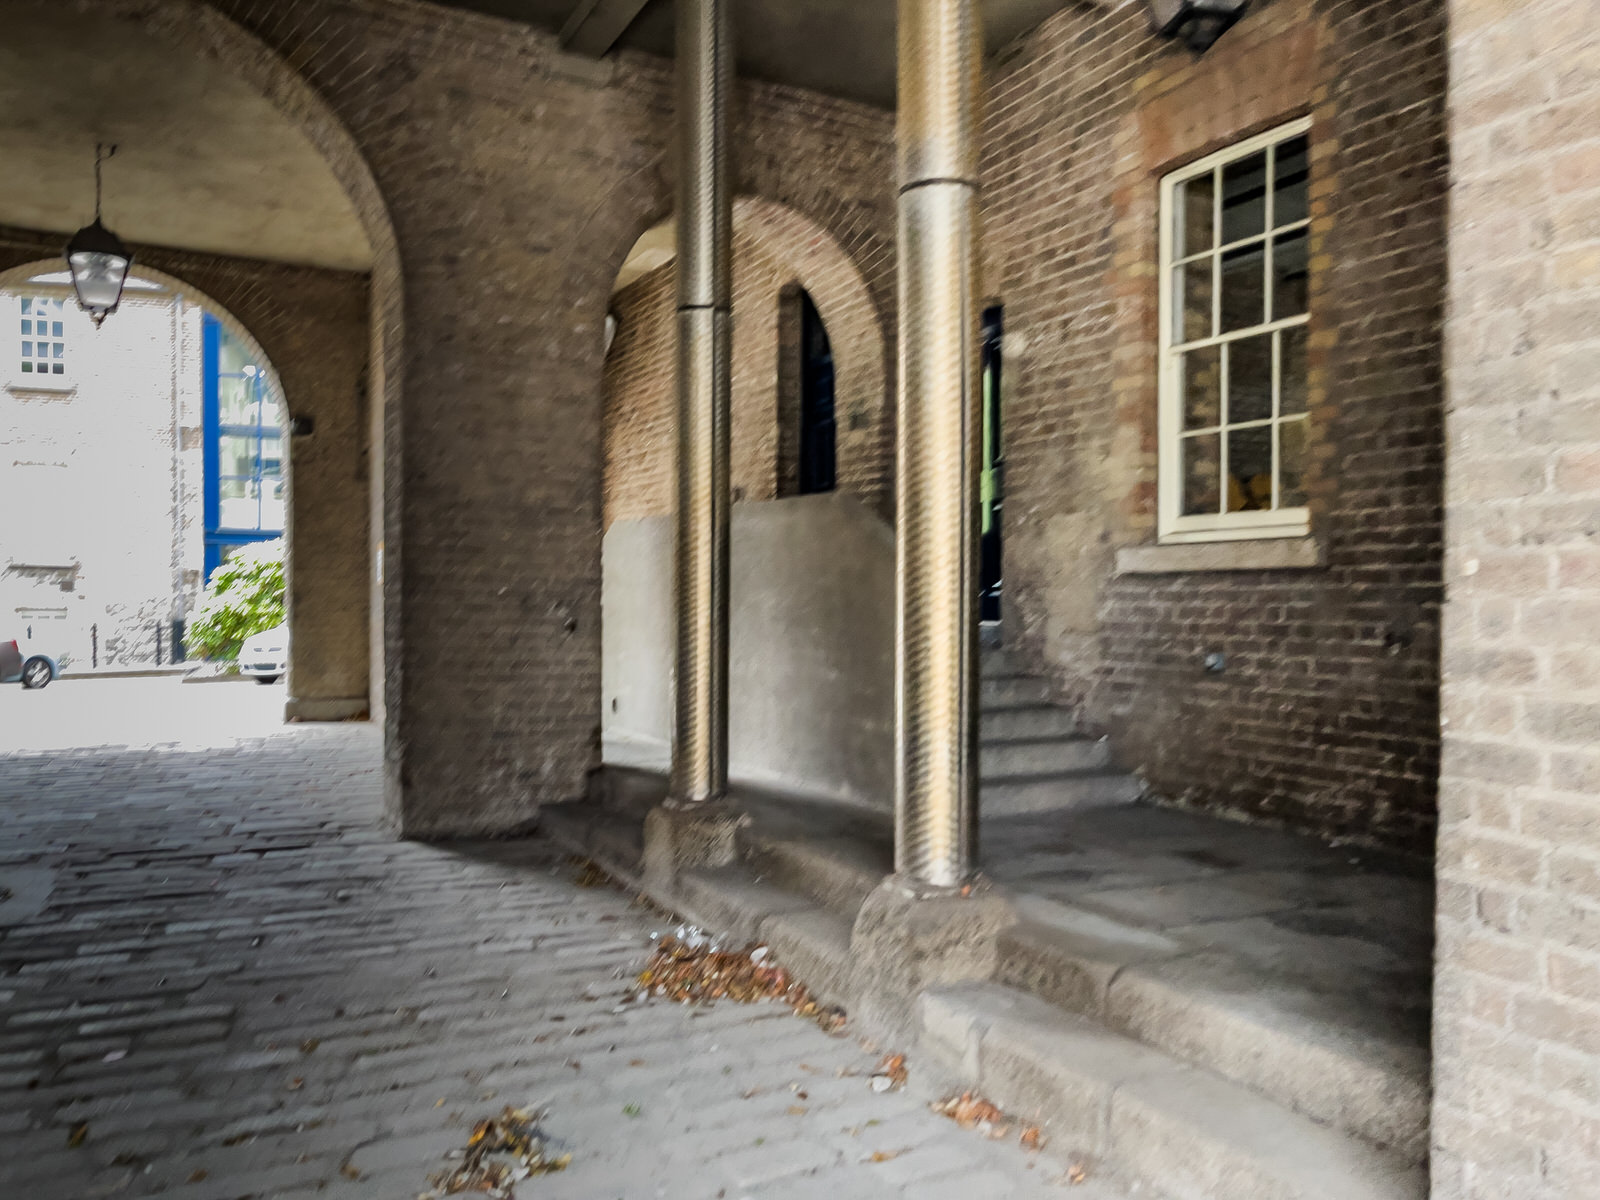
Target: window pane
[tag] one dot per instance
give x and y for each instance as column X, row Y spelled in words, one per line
column 1243, row 287
column 27, row 306
column 236, row 455
column 1193, row 284
column 1202, row 387
column 1244, row 197
column 1289, row 275
column 1250, row 469
column 1290, row 174
column 236, row 402
column 27, row 349
column 1250, row 379
column 1292, row 463
column 1194, row 215
column 1200, row 473
column 27, row 327
column 1292, row 370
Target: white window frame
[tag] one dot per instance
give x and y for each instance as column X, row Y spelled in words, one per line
column 20, row 380
column 1172, row 526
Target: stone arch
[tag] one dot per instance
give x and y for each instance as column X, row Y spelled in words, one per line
column 316, row 349
column 775, row 248
column 218, row 30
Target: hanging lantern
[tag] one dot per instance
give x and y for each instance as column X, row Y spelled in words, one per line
column 98, row 260
column 1197, row 23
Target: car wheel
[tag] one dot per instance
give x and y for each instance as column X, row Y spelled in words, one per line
column 36, row 673
column 268, row 678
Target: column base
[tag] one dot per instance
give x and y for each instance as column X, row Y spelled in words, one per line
column 909, row 937
column 682, row 837
column 336, row 708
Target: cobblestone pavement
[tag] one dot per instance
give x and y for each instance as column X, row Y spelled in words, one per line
column 221, row 978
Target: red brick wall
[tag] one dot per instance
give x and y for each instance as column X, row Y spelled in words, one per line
column 774, row 248
column 1326, row 714
column 1517, row 1020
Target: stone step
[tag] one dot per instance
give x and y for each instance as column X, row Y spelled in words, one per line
column 1144, row 1116
column 1011, row 691
column 837, row 874
column 812, row 942
column 1021, row 795
column 1041, row 756
column 1279, row 1036
column 997, row 663
column 1025, row 721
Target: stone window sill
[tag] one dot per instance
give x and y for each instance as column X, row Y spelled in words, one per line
column 1258, row 554
column 57, row 388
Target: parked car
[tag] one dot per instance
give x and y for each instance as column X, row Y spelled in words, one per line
column 22, row 661
column 265, row 656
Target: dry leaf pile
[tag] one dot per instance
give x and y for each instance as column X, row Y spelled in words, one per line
column 501, row 1152
column 971, row 1111
column 891, row 1074
column 690, row 968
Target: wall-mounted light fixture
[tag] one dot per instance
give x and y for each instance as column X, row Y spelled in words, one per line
column 98, row 260
column 1197, row 23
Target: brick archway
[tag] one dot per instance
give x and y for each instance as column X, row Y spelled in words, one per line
column 776, row 248
column 311, row 327
column 224, row 32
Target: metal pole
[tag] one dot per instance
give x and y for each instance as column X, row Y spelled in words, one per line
column 940, row 49
column 705, row 236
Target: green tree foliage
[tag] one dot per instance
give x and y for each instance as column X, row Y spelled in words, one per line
column 243, row 596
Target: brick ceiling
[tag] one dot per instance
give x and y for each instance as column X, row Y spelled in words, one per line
column 841, row 47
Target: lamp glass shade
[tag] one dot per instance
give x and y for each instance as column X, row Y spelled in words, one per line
column 99, row 263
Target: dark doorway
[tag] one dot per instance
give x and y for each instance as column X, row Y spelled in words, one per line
column 992, row 480
column 817, row 471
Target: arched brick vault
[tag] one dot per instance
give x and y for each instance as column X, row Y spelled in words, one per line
column 219, row 32
column 311, row 325
column 775, row 248
column 514, row 178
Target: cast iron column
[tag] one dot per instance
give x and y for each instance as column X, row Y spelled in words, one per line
column 940, row 48
column 705, row 235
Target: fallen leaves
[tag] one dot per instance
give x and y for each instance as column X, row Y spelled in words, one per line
column 590, row 873
column 971, row 1111
column 890, row 1075
column 501, row 1152
column 690, row 968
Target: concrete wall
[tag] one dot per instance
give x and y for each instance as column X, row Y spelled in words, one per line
column 1326, row 715
column 811, row 670
column 1517, row 1018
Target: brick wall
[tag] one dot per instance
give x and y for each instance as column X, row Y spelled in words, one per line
column 1517, row 1021
column 774, row 250
column 312, row 326
column 1325, row 716
column 501, row 183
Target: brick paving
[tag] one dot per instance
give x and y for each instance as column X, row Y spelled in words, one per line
column 218, row 962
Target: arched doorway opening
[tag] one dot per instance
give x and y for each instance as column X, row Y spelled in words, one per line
column 292, row 238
